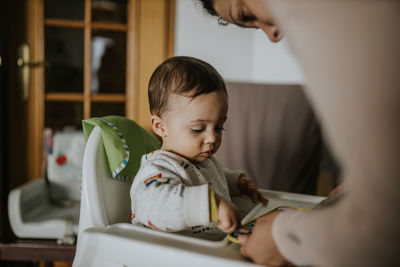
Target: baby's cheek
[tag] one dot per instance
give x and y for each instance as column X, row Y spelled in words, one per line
column 217, row 143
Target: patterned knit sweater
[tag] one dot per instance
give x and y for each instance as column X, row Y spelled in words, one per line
column 169, row 193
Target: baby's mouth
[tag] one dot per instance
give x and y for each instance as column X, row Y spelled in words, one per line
column 206, row 154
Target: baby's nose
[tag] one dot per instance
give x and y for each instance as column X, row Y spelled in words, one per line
column 211, row 138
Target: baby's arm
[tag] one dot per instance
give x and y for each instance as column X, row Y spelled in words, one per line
column 248, row 188
column 161, row 200
column 238, row 181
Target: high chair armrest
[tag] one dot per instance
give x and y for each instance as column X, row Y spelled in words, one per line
column 32, row 215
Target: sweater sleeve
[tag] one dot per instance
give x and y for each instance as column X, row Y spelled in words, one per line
column 355, row 231
column 161, row 200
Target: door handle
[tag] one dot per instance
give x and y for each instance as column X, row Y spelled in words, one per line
column 24, row 64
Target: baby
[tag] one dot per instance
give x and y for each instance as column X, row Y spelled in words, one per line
column 182, row 186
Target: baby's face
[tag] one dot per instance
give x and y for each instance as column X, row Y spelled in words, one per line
column 194, row 126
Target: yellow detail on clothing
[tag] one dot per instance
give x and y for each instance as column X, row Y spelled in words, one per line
column 213, row 206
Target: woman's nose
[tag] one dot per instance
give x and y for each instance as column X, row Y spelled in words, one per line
column 271, row 31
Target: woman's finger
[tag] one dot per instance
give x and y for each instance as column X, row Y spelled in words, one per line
column 243, row 239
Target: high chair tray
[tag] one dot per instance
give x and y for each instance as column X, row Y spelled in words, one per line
column 125, row 244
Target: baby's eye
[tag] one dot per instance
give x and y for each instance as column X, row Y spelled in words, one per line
column 219, row 129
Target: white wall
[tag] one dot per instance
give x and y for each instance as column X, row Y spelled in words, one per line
column 227, row 48
column 238, row 54
column 274, row 62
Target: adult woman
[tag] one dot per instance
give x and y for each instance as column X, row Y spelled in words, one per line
column 348, row 50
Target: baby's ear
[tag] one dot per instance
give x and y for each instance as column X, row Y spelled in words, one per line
column 158, row 126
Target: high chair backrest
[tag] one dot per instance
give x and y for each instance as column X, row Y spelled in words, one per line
column 104, row 201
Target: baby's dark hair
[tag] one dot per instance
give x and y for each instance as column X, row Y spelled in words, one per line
column 208, row 6
column 181, row 75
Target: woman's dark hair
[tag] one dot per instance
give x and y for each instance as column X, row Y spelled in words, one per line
column 208, row 5
column 181, row 75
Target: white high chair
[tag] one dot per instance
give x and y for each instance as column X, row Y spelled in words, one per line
column 107, row 238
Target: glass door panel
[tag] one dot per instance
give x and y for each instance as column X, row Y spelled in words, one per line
column 106, row 109
column 65, row 33
column 64, row 54
column 64, row 9
column 109, row 11
column 59, row 115
column 108, row 66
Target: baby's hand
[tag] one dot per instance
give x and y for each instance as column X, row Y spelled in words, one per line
column 246, row 187
column 228, row 215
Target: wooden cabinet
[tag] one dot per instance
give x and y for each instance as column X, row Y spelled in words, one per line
column 97, row 58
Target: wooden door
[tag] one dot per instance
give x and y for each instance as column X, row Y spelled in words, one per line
column 89, row 58
column 3, row 102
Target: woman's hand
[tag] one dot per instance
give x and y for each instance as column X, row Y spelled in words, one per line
column 248, row 188
column 260, row 246
column 228, row 215
column 332, row 198
column 337, row 190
